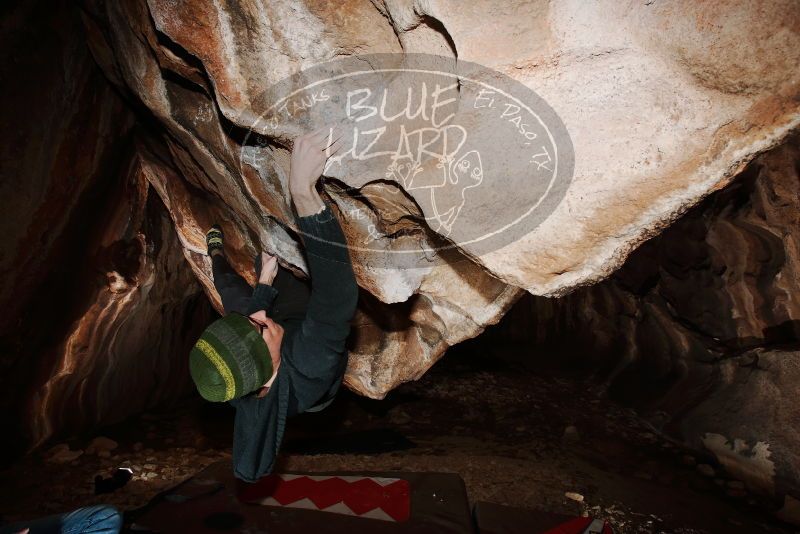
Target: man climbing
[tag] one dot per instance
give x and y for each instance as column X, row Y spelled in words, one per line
column 280, row 348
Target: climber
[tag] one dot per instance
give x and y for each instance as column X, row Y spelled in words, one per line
column 280, row 348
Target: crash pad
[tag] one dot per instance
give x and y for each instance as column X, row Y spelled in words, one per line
column 322, row 502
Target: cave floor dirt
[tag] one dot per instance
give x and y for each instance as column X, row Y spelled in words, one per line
column 501, row 427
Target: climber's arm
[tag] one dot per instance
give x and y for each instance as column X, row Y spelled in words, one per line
column 309, row 155
column 263, row 298
column 317, row 356
column 334, row 292
column 318, row 347
column 333, row 287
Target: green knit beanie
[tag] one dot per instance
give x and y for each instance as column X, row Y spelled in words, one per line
column 230, row 359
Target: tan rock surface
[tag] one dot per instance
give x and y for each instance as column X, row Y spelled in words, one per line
column 98, row 304
column 664, row 103
column 700, row 328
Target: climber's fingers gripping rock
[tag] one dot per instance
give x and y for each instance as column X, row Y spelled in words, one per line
column 309, row 155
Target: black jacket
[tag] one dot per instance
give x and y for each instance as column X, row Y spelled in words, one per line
column 313, row 356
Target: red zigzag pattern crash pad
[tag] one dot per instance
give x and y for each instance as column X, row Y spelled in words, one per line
column 374, row 497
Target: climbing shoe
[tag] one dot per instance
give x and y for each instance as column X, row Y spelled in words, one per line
column 214, row 239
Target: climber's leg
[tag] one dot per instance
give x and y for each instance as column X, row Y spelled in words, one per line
column 234, row 291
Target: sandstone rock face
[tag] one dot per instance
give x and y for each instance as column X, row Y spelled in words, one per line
column 663, row 103
column 98, row 304
column 700, row 327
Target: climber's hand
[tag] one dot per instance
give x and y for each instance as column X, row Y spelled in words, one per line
column 309, row 155
column 272, row 333
column 269, row 268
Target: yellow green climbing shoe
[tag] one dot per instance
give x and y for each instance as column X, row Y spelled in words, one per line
column 214, row 239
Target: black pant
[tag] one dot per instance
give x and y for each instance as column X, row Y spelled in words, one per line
column 290, row 303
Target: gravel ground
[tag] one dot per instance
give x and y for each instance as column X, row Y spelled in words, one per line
column 514, row 436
